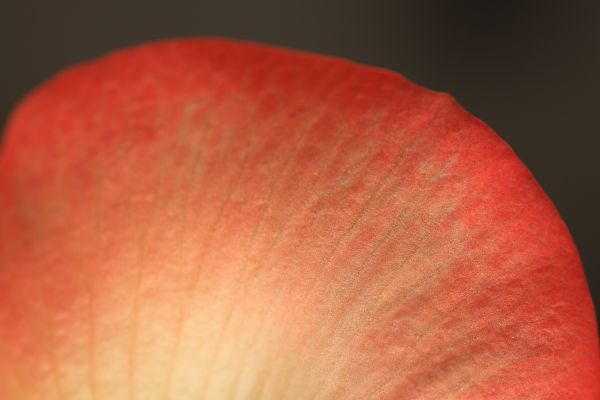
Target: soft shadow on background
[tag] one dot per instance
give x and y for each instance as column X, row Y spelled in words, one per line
column 530, row 69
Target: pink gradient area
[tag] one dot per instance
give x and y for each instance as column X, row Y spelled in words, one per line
column 220, row 220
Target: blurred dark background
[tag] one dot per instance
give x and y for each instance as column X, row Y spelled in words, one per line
column 530, row 69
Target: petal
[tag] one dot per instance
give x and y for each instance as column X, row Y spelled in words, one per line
column 210, row 219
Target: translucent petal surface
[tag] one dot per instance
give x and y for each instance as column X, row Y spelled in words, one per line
column 206, row 219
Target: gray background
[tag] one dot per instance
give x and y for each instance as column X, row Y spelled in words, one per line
column 528, row 68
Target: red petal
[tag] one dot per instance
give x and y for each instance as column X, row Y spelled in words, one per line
column 210, row 219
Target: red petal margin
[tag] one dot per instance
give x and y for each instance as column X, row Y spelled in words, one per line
column 218, row 220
